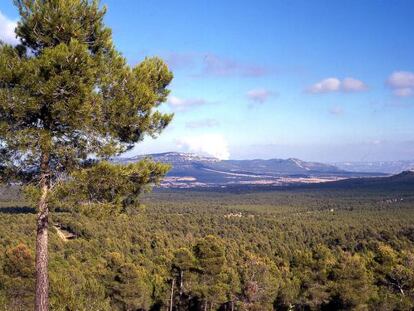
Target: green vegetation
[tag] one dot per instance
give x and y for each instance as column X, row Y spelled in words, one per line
column 274, row 250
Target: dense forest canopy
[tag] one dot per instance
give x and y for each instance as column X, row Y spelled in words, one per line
column 274, row 250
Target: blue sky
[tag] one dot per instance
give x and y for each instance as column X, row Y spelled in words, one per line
column 317, row 80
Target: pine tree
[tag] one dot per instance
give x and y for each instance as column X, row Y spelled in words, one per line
column 67, row 95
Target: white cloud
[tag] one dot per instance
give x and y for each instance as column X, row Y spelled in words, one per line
column 259, row 95
column 182, row 104
column 353, row 85
column 402, row 83
column 7, row 27
column 404, row 92
column 325, row 86
column 401, row 79
column 333, row 84
column 207, row 144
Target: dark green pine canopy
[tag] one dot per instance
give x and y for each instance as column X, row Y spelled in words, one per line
column 66, row 92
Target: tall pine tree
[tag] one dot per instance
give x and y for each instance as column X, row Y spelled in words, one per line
column 67, row 95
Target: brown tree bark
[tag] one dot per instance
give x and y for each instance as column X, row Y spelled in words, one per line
column 42, row 278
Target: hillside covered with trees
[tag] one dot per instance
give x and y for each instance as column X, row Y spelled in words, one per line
column 280, row 250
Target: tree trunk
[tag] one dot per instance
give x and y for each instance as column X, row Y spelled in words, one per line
column 181, row 282
column 42, row 278
column 172, row 294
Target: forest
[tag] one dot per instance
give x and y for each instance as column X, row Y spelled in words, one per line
column 197, row 250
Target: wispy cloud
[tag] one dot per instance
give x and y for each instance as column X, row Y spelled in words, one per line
column 211, row 64
column 183, row 104
column 336, row 110
column 181, row 60
column 211, row 144
column 7, row 27
column 334, row 84
column 259, row 95
column 214, row 65
column 402, row 83
column 203, row 123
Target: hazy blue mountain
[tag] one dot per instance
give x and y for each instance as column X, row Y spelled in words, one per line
column 388, row 167
column 184, row 161
column 276, row 166
column 191, row 170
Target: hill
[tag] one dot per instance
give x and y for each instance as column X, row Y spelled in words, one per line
column 387, row 167
column 190, row 170
column 398, row 182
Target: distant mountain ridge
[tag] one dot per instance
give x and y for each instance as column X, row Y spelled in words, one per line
column 257, row 166
column 278, row 166
column 171, row 157
column 387, row 167
column 394, row 182
column 191, row 170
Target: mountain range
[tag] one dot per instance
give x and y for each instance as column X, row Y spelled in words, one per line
column 191, row 170
column 387, row 167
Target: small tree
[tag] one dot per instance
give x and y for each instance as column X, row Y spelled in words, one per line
column 211, row 261
column 182, row 263
column 67, row 95
column 17, row 277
